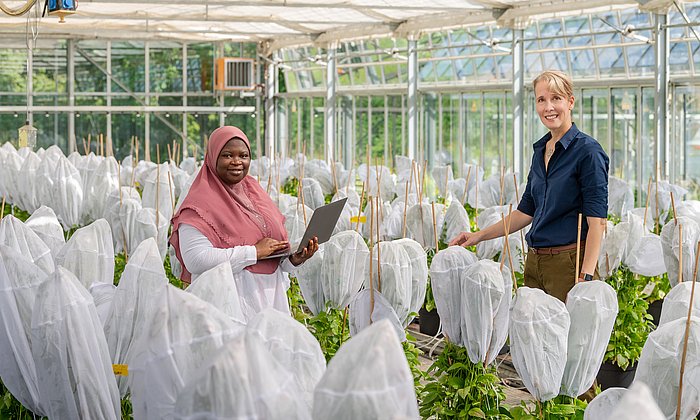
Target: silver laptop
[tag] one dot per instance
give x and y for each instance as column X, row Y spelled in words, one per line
column 321, row 226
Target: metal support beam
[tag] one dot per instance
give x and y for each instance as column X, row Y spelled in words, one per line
column 147, row 91
column 222, row 99
column 430, row 127
column 518, row 102
column 348, row 130
column 661, row 48
column 412, row 99
column 270, row 92
column 184, row 101
column 30, row 85
column 282, row 127
column 70, row 82
column 108, row 135
column 331, row 77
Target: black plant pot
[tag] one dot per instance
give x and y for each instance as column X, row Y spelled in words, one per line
column 611, row 375
column 428, row 321
column 655, row 311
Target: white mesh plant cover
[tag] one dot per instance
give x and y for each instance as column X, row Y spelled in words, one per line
column 112, row 208
column 456, row 189
column 21, row 238
column 363, row 304
column 179, row 180
column 446, row 275
column 10, row 176
column 419, row 274
column 182, row 335
column 352, row 196
column 309, row 275
column 456, row 221
column 46, row 177
column 45, row 224
column 141, row 285
column 637, row 403
column 142, row 170
column 689, row 208
column 344, row 268
column 639, row 213
column 86, row 166
column 320, row 172
column 489, row 249
column 403, row 168
column 646, row 257
column 384, row 210
column 102, row 295
column 392, row 226
column 67, row 194
column 190, row 166
column 218, row 287
column 241, row 381
column 592, row 310
column 612, row 248
column 396, row 277
column 485, row 294
column 620, row 196
column 419, row 223
column 368, row 378
column 158, row 191
column 186, row 189
column 295, row 223
column 89, row 254
column 19, row 280
column 292, row 345
column 128, row 211
column 676, row 303
column 72, row 360
column 442, row 176
column 671, row 248
column 313, row 195
column 103, row 181
column 664, row 198
column 345, row 221
column 603, row 404
column 28, row 198
column 150, row 224
column 660, row 365
column 539, row 329
column 386, row 182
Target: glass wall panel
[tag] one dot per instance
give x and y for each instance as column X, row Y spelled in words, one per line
column 200, row 67
column 165, row 67
column 88, row 127
column 647, row 163
column 128, row 65
column 90, row 65
column 126, row 126
column 623, row 153
column 52, row 129
column 687, row 143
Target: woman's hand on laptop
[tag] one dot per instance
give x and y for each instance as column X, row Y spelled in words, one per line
column 269, row 246
column 306, row 253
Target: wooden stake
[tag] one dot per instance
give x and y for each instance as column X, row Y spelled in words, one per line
column 435, row 228
column 171, row 191
column 476, row 204
column 422, row 179
column 371, row 250
column 500, row 199
column 680, row 253
column 359, row 211
column 335, row 180
column 379, row 251
column 345, row 319
column 269, row 180
column 657, row 212
column 101, row 145
column 578, row 247
column 687, row 333
column 517, row 195
column 2, row 210
column 89, row 145
column 157, row 185
column 505, row 243
column 170, row 154
column 85, row 147
column 646, row 205
column 466, row 185
column 673, row 205
column 405, row 206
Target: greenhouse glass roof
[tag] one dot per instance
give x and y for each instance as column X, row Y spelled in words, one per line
column 287, row 23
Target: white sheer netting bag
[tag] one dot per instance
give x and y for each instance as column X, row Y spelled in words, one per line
column 446, row 275
column 368, row 378
column 45, row 224
column 218, row 287
column 677, row 301
column 392, row 276
column 364, row 304
column 419, row 274
column 592, row 310
column 539, row 329
column 69, row 347
column 89, row 254
column 671, row 247
column 344, row 267
column 21, row 238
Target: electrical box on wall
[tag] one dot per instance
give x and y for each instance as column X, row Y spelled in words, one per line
column 235, row 73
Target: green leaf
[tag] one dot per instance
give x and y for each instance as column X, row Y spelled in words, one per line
column 477, row 412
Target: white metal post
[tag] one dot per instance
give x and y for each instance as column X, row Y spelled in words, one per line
column 412, row 97
column 518, row 101
column 331, row 76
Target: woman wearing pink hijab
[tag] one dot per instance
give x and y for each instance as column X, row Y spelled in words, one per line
column 227, row 216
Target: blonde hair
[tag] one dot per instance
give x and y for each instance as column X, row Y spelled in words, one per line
column 557, row 82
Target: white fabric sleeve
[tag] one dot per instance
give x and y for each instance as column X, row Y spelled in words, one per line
column 199, row 255
column 288, row 267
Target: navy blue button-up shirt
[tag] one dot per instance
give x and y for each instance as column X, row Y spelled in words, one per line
column 576, row 181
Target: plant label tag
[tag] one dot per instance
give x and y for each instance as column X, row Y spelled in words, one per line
column 121, row 370
column 362, row 219
column 649, row 288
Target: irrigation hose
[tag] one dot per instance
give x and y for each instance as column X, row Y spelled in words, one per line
column 19, row 11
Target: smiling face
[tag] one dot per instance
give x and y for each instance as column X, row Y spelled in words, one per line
column 553, row 108
column 233, row 162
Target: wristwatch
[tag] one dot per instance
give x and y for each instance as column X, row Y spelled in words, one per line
column 585, row 277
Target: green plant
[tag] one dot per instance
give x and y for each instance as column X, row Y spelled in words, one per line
column 659, row 285
column 633, row 324
column 297, row 305
column 127, row 408
column 10, row 408
column 119, row 265
column 291, row 187
column 558, row 408
column 331, row 329
column 412, row 352
column 15, row 211
column 456, row 388
column 169, row 273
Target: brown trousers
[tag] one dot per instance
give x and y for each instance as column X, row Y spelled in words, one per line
column 555, row 274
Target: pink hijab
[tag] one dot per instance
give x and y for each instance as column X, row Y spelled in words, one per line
column 214, row 209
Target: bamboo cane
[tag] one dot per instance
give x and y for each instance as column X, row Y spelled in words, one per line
column 269, row 181
column 507, row 245
column 657, row 212
column 371, row 250
column 466, row 185
column 378, row 173
column 673, row 206
column 607, row 257
column 119, row 184
column 505, row 242
column 687, row 333
column 85, row 147
column 379, row 251
column 405, row 205
column 476, row 204
column 578, row 247
column 359, row 211
column 342, row 328
column 437, row 247
column 2, row 211
column 680, row 253
column 422, row 180
column 102, row 145
column 335, row 180
column 170, row 152
column 500, row 199
column 157, row 185
column 171, row 193
column 646, row 205
column 89, row 143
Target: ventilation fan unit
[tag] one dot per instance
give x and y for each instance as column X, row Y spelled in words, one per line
column 235, row 74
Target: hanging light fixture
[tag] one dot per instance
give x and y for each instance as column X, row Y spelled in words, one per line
column 27, row 136
column 61, row 8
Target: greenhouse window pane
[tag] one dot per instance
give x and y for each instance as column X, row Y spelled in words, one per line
column 556, row 60
column 485, row 66
column 344, row 76
column 317, row 76
column 582, row 63
column 641, row 59
column 88, row 77
column 599, row 25
column 458, row 36
column 580, row 40
column 505, row 66
column 445, row 70
column 128, row 64
column 533, row 64
column 678, row 59
column 611, row 59
column 426, row 72
column 695, row 46
column 576, row 25
column 200, row 67
column 465, row 68
column 374, row 75
column 636, row 18
column 290, row 81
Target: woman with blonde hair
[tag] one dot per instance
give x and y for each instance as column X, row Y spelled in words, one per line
column 568, row 176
